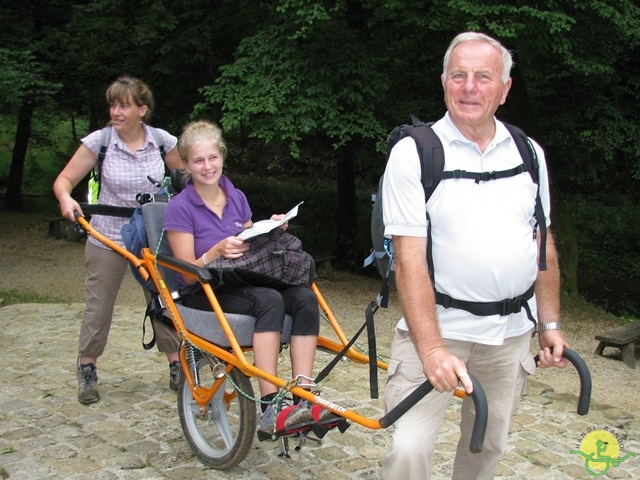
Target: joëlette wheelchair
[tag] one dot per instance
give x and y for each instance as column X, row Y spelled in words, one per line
column 216, row 402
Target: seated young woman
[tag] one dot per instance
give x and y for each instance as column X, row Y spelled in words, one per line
column 202, row 223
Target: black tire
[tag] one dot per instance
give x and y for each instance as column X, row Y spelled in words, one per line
column 222, row 437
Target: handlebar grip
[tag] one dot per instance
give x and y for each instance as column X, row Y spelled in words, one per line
column 482, row 414
column 585, row 378
column 414, row 397
column 478, row 397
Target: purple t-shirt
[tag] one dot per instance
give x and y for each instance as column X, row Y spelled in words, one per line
column 186, row 212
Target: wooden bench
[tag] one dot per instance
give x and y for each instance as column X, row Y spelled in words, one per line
column 624, row 338
column 325, row 259
column 60, row 227
column 56, row 226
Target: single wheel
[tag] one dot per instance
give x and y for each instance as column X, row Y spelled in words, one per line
column 223, row 435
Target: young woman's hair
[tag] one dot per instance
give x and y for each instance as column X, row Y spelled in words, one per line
column 128, row 87
column 200, row 130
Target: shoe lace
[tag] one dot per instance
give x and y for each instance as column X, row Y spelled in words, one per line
column 175, row 369
column 279, row 402
column 88, row 377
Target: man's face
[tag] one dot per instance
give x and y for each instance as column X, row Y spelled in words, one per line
column 473, row 87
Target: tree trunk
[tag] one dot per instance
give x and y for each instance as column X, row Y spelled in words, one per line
column 74, row 131
column 13, row 199
column 94, row 123
column 346, row 220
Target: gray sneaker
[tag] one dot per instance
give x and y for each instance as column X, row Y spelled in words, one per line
column 290, row 417
column 175, row 374
column 87, row 381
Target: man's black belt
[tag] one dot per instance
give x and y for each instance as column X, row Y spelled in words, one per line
column 484, row 309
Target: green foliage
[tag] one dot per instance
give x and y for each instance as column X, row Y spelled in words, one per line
column 50, row 148
column 310, row 88
column 20, row 77
column 315, row 223
column 585, row 102
column 608, row 227
column 11, row 297
column 308, row 73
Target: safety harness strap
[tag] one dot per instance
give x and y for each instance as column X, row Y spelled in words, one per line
column 484, row 309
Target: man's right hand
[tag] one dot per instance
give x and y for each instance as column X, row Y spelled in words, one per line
column 445, row 371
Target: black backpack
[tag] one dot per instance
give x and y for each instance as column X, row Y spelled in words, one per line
column 431, row 156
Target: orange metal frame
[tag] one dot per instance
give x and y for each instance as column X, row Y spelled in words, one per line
column 234, row 357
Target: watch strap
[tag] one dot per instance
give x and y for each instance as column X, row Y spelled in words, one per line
column 543, row 327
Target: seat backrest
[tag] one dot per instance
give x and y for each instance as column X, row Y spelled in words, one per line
column 153, row 217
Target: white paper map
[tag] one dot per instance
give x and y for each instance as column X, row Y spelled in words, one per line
column 264, row 226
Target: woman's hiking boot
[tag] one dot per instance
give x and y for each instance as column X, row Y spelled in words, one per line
column 87, row 383
column 175, row 374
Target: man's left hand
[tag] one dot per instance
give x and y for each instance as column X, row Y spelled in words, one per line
column 552, row 344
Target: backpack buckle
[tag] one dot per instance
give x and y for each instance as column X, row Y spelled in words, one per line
column 486, row 176
column 511, row 305
column 143, row 198
column 388, row 247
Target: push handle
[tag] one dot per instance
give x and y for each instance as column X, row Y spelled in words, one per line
column 478, row 397
column 108, row 210
column 585, row 379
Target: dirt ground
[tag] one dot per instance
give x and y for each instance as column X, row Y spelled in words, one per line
column 31, row 261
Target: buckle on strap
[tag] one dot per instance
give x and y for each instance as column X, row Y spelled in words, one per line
column 514, row 305
column 511, row 305
column 485, row 176
column 444, row 300
column 482, row 309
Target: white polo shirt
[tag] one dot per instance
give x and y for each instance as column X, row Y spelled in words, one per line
column 481, row 233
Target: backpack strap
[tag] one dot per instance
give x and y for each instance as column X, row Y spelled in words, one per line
column 484, row 176
column 431, row 154
column 532, row 165
column 105, row 139
column 96, row 173
column 483, row 309
column 159, row 141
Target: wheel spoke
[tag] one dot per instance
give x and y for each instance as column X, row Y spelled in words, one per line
column 223, row 435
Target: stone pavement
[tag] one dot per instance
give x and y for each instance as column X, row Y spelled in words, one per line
column 134, row 431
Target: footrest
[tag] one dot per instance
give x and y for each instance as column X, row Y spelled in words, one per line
column 321, row 429
column 293, row 430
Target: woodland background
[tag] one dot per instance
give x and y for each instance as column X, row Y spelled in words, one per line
column 307, row 91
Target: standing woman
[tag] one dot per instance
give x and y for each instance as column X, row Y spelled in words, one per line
column 131, row 156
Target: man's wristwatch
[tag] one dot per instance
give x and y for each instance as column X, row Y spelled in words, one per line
column 543, row 327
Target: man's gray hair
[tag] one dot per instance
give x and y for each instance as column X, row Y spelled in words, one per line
column 507, row 60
